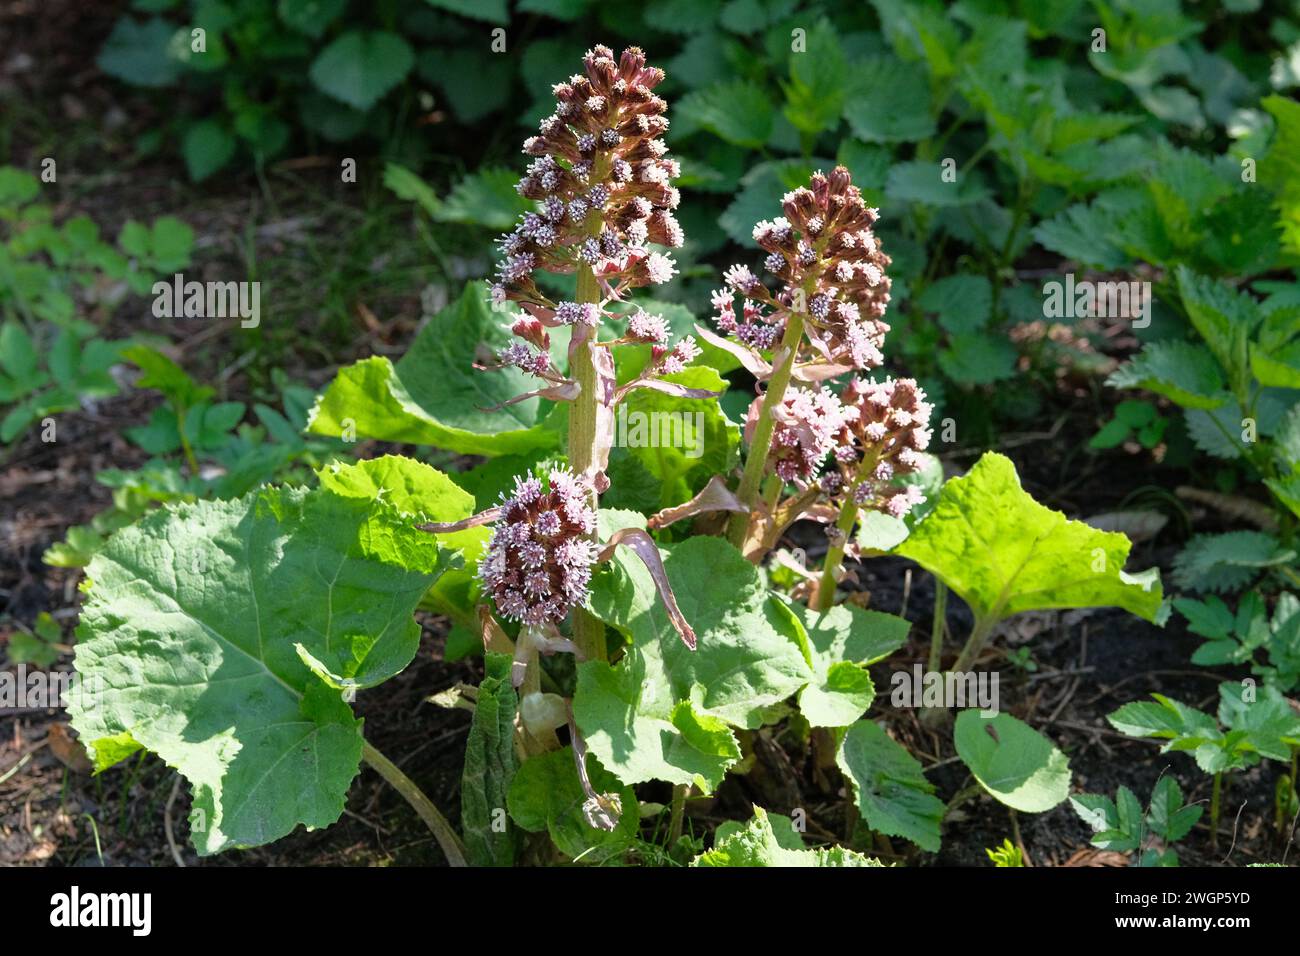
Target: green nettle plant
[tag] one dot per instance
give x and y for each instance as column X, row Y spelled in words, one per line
column 1253, row 723
column 52, row 359
column 201, row 449
column 1236, row 385
column 1269, row 645
column 230, row 636
column 1123, row 826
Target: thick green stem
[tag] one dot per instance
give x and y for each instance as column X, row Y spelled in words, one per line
column 588, row 630
column 435, row 821
column 1214, row 811
column 756, row 463
column 975, row 643
column 848, row 518
column 678, row 812
column 772, row 492
column 835, row 556
column 936, row 630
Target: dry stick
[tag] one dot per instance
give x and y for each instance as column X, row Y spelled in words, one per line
column 588, row 630
column 435, row 821
column 1236, row 823
column 1214, row 811
column 756, row 463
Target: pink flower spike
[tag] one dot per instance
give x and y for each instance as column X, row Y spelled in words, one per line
column 537, row 565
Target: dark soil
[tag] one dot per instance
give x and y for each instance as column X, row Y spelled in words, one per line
column 1088, row 663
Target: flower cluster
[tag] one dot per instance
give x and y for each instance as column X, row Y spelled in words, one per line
column 831, row 269
column 807, row 424
column 886, row 425
column 538, row 563
column 602, row 179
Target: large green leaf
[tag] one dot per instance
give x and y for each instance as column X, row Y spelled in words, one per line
column 664, row 711
column 963, row 302
column 631, row 722
column 360, row 66
column 493, row 11
column 978, row 359
column 759, row 843
column 424, row 494
column 888, row 101
column 547, row 796
column 818, row 77
column 843, row 641
column 412, row 489
column 681, row 441
column 140, row 53
column 750, row 650
column 433, row 395
column 1012, row 761
column 211, row 633
column 738, row 111
column 923, row 182
column 490, row 764
column 1004, row 553
column 892, row 793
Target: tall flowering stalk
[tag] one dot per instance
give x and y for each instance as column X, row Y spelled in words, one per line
column 824, row 320
column 885, row 427
column 602, row 181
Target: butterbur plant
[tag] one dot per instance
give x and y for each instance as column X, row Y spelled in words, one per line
column 635, row 645
column 602, row 180
column 823, row 320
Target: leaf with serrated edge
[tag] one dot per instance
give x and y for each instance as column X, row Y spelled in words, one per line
column 842, row 641
column 891, row 790
column 433, row 395
column 750, row 646
column 1004, row 553
column 490, row 764
column 187, row 648
column 758, row 843
column 1182, row 372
